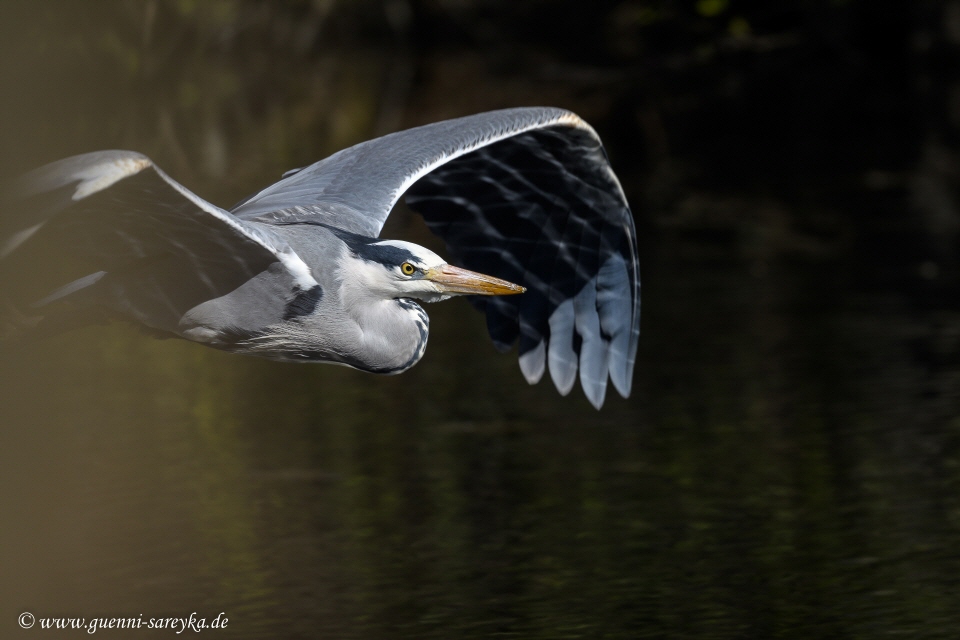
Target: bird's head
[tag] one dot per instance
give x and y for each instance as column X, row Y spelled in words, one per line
column 398, row 269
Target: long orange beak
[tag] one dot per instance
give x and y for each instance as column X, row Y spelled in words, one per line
column 453, row 279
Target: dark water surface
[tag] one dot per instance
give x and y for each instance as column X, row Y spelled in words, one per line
column 787, row 466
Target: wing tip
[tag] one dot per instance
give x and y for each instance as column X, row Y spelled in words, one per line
column 111, row 173
column 533, row 363
column 563, row 374
column 10, row 244
column 623, row 385
column 93, row 172
column 595, row 397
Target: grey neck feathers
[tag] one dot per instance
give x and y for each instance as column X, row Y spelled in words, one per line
column 393, row 336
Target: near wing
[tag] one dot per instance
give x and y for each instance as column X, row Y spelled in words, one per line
column 526, row 195
column 90, row 223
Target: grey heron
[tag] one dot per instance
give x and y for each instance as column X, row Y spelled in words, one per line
column 297, row 272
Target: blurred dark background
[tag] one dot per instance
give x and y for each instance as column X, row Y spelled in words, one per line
column 787, row 465
column 844, row 112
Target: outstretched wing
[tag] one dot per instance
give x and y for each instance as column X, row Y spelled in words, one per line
column 526, row 195
column 93, row 219
column 542, row 209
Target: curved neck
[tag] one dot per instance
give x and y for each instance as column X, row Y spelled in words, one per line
column 393, row 335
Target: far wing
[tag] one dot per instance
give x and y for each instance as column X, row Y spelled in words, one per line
column 110, row 212
column 522, row 194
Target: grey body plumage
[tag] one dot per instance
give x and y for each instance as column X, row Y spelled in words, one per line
column 297, row 271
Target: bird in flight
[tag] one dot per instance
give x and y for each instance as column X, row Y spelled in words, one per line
column 524, row 200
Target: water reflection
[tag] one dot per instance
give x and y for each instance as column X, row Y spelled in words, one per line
column 787, row 464
column 767, row 476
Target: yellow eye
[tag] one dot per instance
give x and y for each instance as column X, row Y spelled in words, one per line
column 407, row 269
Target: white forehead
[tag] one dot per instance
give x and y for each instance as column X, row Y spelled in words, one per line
column 424, row 256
